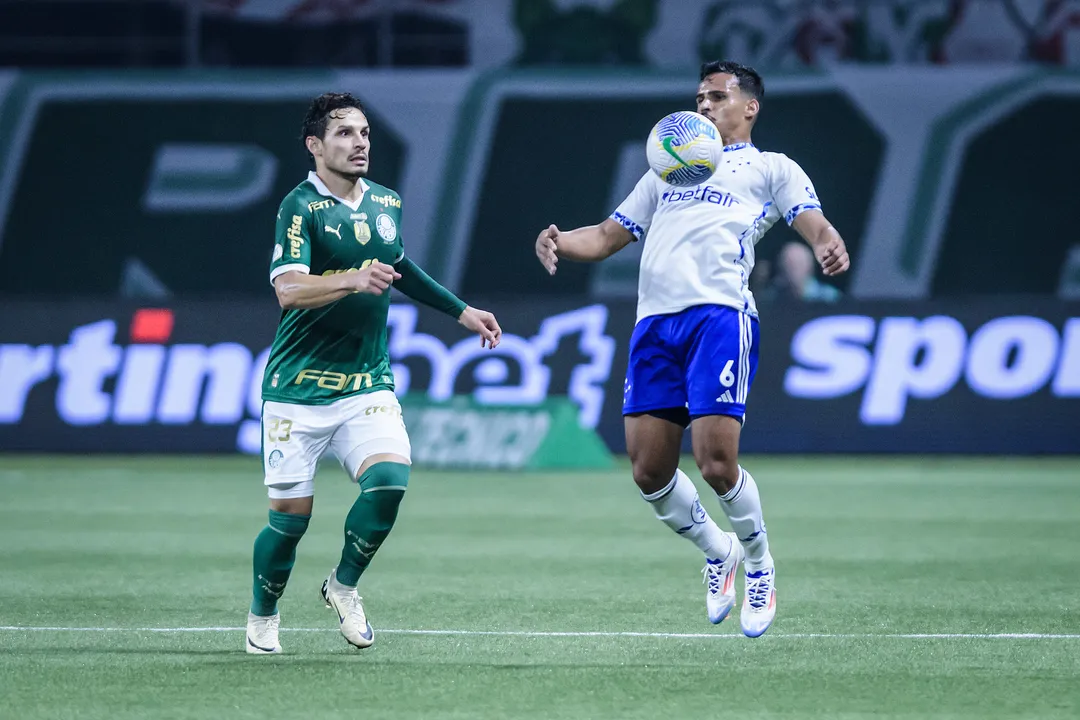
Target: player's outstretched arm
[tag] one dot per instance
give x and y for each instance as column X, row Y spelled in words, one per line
column 301, row 291
column 421, row 287
column 829, row 247
column 585, row 244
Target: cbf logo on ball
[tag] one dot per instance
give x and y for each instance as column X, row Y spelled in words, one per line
column 684, row 149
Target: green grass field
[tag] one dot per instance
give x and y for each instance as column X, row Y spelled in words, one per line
column 544, row 596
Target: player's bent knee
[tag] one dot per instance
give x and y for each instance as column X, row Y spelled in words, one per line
column 380, row 458
column 720, row 472
column 366, row 455
column 653, row 445
column 288, row 522
column 382, row 488
column 385, row 477
column 652, row 477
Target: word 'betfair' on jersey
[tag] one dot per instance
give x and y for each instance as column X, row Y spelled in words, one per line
column 386, row 201
column 295, row 238
column 703, row 193
column 334, row 380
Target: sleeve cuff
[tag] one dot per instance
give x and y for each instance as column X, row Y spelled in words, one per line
column 636, row 230
column 282, row 269
column 794, row 212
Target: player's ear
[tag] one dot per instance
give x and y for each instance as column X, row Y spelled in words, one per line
column 314, row 145
column 752, row 108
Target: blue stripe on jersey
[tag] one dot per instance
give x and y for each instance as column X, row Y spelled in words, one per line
column 803, row 207
column 738, row 146
column 742, row 249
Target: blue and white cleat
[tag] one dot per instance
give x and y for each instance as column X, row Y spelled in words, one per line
column 262, row 634
column 759, row 605
column 350, row 611
column 719, row 579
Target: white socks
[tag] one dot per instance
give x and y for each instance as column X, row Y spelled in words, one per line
column 677, row 505
column 743, row 508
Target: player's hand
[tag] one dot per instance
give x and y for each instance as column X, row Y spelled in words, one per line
column 374, row 279
column 833, row 256
column 484, row 323
column 546, row 247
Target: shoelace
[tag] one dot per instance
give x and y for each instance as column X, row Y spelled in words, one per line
column 356, row 610
column 272, row 624
column 713, row 576
column 757, row 591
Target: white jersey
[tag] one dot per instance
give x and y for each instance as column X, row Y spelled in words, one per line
column 700, row 240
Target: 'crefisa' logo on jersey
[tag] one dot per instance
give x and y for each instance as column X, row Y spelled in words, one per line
column 387, row 201
column 296, row 239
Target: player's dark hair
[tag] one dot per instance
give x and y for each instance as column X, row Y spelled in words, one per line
column 320, row 111
column 749, row 80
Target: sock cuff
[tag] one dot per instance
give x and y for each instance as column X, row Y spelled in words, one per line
column 289, row 524
column 733, row 494
column 663, row 492
column 384, row 476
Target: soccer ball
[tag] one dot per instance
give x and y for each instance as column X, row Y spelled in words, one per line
column 684, row 149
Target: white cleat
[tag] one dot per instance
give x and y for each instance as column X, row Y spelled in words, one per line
column 350, row 611
column 759, row 605
column 262, row 634
column 719, row 579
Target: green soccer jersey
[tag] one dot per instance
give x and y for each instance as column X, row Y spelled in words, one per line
column 338, row 350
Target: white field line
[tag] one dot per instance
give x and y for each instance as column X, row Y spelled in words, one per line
column 543, row 634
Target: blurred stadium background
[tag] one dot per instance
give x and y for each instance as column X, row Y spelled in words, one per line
column 914, row 424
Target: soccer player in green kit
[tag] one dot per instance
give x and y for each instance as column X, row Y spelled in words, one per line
column 328, row 384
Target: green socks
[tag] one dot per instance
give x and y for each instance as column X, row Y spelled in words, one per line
column 272, row 561
column 382, row 487
column 368, row 523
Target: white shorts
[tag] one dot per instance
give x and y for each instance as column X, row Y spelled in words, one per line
column 295, row 437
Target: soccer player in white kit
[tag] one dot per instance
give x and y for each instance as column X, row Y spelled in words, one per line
column 694, row 351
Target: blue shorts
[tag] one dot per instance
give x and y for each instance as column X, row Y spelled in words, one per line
column 700, row 361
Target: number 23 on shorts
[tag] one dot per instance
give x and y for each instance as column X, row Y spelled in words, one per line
column 278, row 430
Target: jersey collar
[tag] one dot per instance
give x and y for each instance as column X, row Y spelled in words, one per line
column 739, row 146
column 321, row 188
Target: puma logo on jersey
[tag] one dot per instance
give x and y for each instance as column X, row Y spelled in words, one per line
column 336, row 231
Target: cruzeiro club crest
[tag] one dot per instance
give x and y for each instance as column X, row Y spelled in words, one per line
column 697, row 513
column 387, row 228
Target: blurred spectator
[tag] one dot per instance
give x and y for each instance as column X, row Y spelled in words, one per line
column 584, row 34
column 796, row 278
